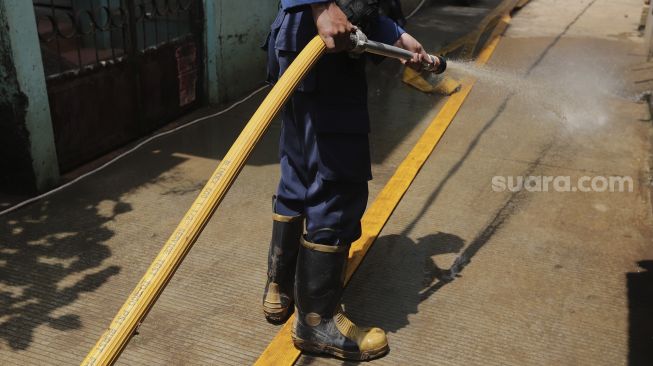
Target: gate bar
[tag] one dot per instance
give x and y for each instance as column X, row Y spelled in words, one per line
column 111, row 344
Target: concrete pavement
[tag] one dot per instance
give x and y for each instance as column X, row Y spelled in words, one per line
column 461, row 275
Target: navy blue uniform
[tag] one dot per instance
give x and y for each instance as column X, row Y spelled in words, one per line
column 324, row 146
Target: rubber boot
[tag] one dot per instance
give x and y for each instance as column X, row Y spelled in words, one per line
column 320, row 325
column 282, row 258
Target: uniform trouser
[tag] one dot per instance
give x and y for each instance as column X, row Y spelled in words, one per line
column 332, row 207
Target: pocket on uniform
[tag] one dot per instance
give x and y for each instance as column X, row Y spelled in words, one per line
column 295, row 31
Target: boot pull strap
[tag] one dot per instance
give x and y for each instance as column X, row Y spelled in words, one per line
column 325, row 248
column 288, row 219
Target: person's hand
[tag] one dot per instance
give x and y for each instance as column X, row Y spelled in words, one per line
column 332, row 26
column 407, row 42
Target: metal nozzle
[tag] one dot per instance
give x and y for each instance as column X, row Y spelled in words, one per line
column 361, row 44
column 358, row 42
column 442, row 65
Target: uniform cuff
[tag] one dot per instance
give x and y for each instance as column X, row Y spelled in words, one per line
column 386, row 31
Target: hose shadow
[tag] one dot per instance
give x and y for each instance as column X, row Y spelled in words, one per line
column 406, row 269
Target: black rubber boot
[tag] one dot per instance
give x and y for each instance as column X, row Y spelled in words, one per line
column 320, row 325
column 282, row 258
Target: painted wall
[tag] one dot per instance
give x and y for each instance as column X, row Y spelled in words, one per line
column 27, row 148
column 235, row 30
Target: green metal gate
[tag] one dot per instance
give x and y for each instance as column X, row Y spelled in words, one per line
column 118, row 69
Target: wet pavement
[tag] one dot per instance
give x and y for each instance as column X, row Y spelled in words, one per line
column 461, row 274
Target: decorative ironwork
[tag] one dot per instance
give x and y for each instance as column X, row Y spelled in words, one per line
column 83, row 34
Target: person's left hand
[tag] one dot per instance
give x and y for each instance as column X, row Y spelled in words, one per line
column 407, row 42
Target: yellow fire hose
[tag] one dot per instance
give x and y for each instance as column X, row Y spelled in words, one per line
column 113, row 341
column 142, row 298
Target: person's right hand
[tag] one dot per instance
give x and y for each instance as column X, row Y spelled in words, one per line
column 407, row 42
column 332, row 26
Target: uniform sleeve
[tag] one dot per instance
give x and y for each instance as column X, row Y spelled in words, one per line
column 287, row 4
column 385, row 31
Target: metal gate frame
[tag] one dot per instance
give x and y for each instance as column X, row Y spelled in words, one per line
column 118, row 69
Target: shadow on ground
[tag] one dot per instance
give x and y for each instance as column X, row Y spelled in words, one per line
column 640, row 314
column 406, row 269
column 46, row 262
column 54, row 251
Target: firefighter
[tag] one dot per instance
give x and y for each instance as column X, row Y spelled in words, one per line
column 325, row 167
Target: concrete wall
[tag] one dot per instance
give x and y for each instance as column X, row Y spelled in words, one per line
column 27, row 153
column 235, row 30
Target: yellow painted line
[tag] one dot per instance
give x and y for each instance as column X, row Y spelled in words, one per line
column 140, row 301
column 471, row 39
column 458, row 43
column 281, row 351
